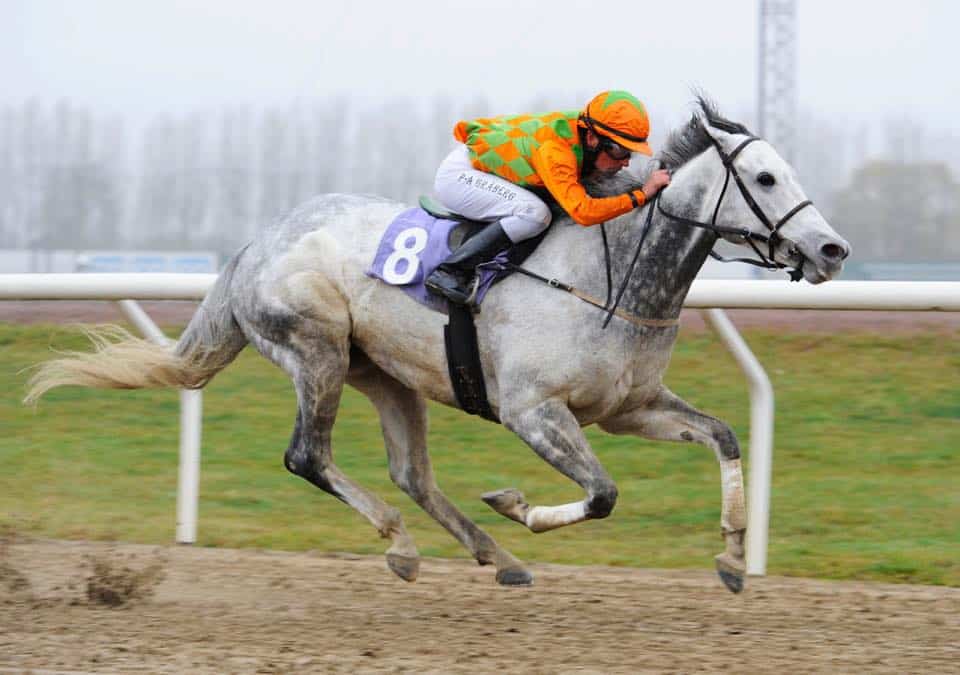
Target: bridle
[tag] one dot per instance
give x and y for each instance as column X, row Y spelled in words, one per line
column 767, row 261
column 772, row 240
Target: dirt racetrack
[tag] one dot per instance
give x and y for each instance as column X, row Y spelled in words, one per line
column 247, row 611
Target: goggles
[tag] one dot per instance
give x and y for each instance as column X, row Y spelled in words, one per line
column 613, row 149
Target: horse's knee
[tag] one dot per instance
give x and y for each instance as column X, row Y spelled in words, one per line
column 299, row 463
column 726, row 441
column 601, row 501
column 305, row 465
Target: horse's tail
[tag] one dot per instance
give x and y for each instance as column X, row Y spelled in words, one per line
column 121, row 360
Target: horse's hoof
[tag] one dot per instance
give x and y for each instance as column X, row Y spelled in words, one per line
column 514, row 576
column 508, row 502
column 731, row 572
column 404, row 566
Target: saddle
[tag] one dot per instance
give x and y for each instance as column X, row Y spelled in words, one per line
column 465, row 227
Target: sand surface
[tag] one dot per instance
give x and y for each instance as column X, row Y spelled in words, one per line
column 249, row 611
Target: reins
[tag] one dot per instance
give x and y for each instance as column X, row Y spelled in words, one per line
column 633, row 263
column 611, row 310
column 591, row 300
column 767, row 261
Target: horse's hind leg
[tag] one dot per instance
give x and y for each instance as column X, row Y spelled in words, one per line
column 319, row 384
column 403, row 417
column 669, row 418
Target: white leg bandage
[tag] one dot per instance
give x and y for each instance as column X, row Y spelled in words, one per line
column 733, row 515
column 543, row 518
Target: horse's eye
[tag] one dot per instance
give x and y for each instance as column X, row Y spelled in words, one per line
column 766, row 179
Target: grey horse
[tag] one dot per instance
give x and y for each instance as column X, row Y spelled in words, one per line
column 299, row 294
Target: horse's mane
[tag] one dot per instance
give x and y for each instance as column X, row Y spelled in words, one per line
column 690, row 140
column 682, row 145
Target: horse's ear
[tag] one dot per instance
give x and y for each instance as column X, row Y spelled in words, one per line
column 719, row 135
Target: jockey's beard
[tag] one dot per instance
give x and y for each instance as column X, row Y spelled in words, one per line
column 609, row 173
column 598, row 174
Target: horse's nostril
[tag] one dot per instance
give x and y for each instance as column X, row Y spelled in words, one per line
column 834, row 251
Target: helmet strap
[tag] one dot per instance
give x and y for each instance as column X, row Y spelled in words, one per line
column 589, row 156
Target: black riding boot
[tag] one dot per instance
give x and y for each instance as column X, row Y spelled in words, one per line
column 453, row 278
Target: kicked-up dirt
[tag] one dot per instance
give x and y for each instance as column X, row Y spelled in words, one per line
column 205, row 610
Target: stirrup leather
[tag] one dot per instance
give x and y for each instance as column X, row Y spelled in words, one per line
column 474, row 290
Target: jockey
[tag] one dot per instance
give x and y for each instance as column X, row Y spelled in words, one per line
column 493, row 175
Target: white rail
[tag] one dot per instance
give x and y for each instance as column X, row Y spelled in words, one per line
column 707, row 294
column 191, row 422
column 909, row 296
column 105, row 286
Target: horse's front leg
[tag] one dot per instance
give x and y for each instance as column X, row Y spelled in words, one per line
column 554, row 433
column 669, row 418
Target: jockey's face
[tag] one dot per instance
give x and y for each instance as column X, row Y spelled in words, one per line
column 608, row 165
column 605, row 164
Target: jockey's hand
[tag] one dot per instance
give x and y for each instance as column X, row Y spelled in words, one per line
column 658, row 180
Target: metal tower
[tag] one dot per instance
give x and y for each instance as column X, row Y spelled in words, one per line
column 777, row 75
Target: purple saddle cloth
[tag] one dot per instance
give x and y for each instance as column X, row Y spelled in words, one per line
column 412, row 246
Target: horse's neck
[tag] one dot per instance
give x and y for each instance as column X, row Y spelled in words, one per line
column 672, row 253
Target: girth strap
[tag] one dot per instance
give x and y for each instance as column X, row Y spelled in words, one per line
column 463, row 363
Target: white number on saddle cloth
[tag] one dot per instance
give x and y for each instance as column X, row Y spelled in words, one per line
column 407, row 248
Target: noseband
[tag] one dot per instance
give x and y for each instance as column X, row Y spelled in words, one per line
column 772, row 240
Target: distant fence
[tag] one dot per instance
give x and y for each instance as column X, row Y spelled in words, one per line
column 706, row 294
column 902, row 271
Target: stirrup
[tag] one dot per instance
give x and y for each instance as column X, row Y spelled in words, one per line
column 462, row 294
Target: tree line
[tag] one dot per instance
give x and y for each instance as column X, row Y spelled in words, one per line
column 71, row 178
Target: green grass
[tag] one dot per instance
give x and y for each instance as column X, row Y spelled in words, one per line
column 866, row 463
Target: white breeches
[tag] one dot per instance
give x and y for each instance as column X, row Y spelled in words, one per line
column 486, row 197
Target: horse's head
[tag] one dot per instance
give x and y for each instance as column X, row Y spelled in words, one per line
column 765, row 197
column 749, row 195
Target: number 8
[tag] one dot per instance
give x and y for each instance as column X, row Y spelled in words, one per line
column 416, row 236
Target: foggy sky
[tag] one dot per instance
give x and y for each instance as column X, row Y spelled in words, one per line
column 856, row 59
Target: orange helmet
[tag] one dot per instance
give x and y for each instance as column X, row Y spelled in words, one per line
column 621, row 117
